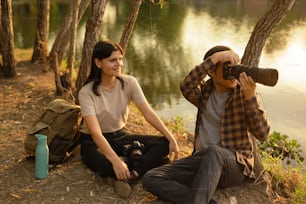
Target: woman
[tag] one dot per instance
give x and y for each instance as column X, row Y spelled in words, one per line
column 106, row 146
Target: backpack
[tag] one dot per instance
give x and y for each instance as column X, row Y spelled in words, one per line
column 60, row 122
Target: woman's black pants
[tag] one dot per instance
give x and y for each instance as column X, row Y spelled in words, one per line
column 154, row 152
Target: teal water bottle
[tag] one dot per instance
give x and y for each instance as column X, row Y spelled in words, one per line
column 41, row 157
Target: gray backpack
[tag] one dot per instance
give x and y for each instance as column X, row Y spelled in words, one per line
column 60, row 122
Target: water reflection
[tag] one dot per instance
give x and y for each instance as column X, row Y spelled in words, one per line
column 203, row 27
column 156, row 55
column 167, row 43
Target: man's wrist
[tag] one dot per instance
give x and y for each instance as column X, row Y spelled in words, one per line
column 251, row 103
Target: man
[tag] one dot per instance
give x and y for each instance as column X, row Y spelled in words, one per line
column 229, row 115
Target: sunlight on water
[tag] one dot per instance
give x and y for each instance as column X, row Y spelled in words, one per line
column 198, row 39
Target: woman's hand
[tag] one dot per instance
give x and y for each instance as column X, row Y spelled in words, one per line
column 173, row 149
column 121, row 170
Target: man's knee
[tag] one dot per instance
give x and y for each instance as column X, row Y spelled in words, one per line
column 217, row 153
column 213, row 151
column 220, row 155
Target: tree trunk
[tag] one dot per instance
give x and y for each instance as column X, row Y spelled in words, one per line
column 1, row 37
column 129, row 26
column 263, row 30
column 253, row 50
column 72, row 46
column 61, row 41
column 7, row 42
column 58, row 84
column 93, row 30
column 40, row 52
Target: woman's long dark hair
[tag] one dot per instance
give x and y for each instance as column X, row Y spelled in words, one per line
column 102, row 50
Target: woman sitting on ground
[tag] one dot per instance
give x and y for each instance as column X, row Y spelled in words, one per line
column 106, row 145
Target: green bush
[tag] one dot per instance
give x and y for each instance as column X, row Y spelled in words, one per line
column 279, row 146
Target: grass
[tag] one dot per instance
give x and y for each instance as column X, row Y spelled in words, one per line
column 287, row 182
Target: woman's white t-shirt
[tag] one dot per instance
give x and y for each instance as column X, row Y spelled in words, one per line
column 111, row 107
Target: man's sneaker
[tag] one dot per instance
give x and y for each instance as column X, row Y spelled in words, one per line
column 230, row 200
column 233, row 200
column 122, row 188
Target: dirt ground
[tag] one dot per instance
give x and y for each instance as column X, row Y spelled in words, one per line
column 22, row 100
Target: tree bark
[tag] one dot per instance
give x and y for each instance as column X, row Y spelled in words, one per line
column 7, row 42
column 58, row 84
column 93, row 30
column 129, row 26
column 1, row 37
column 263, row 29
column 61, row 41
column 72, row 45
column 40, row 52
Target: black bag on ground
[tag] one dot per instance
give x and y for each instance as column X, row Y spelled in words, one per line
column 60, row 122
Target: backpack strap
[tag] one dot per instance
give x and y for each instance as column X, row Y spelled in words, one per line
column 77, row 141
column 74, row 144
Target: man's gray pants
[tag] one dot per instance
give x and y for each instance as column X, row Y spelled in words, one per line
column 194, row 179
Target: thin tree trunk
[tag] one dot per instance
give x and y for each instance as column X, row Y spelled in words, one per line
column 72, row 45
column 93, row 30
column 7, row 46
column 129, row 26
column 1, row 33
column 263, row 29
column 1, row 37
column 62, row 39
column 40, row 52
column 60, row 45
column 58, row 84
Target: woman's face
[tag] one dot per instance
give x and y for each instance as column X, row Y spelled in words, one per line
column 112, row 65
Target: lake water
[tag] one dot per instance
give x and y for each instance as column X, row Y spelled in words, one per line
column 167, row 43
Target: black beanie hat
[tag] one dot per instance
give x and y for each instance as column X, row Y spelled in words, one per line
column 215, row 49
